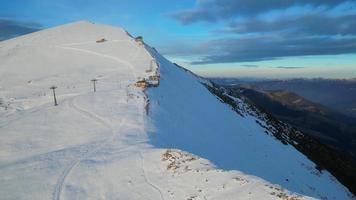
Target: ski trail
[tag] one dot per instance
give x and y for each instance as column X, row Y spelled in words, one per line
column 69, row 46
column 59, row 186
column 89, row 114
column 60, row 182
column 132, row 69
column 157, row 188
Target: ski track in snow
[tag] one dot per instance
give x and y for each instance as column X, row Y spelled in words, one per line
column 61, row 180
column 132, row 68
column 147, row 180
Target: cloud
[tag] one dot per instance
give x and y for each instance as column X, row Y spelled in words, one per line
column 246, row 35
column 282, row 67
column 214, row 10
column 270, row 48
column 315, row 24
column 252, row 66
column 12, row 28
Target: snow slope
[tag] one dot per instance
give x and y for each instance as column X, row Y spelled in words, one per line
column 102, row 145
column 188, row 117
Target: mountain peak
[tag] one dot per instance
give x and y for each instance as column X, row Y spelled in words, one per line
column 75, row 32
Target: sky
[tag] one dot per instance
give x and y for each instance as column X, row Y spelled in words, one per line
column 216, row 38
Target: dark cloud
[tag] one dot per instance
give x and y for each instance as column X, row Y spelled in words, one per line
column 327, row 30
column 11, row 28
column 214, row 10
column 270, row 48
column 310, row 25
column 282, row 67
column 252, row 66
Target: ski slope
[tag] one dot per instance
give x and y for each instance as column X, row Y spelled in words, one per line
column 103, row 145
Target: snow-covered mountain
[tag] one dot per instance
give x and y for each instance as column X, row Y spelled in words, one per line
column 172, row 141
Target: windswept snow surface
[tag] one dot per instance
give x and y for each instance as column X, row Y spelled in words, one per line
column 102, row 145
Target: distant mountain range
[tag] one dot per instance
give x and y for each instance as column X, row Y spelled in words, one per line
column 332, row 142
column 330, row 127
column 337, row 94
